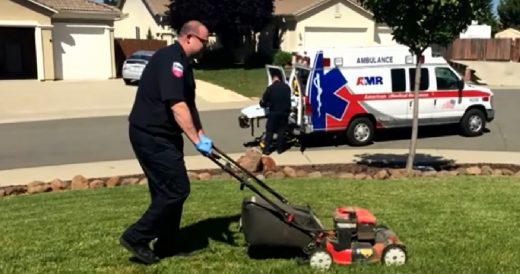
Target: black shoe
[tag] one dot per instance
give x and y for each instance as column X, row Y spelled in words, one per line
column 142, row 252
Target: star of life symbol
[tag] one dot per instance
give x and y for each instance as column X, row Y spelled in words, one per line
column 317, row 84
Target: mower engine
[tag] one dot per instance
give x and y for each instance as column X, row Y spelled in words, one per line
column 357, row 239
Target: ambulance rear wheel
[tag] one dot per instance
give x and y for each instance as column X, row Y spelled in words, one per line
column 360, row 131
column 473, row 123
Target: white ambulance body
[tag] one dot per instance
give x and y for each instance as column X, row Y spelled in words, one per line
column 356, row 90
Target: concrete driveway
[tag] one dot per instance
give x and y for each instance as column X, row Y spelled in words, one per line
column 32, row 100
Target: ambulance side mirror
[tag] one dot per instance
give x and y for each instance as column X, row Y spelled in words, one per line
column 460, row 85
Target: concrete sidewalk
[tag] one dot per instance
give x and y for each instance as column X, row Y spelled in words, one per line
column 30, row 100
column 340, row 156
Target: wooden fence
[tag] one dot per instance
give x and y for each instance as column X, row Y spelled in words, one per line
column 482, row 50
column 125, row 47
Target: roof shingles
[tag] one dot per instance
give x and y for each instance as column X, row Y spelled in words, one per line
column 157, row 7
column 82, row 6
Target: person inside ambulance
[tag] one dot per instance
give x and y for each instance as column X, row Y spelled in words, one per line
column 277, row 102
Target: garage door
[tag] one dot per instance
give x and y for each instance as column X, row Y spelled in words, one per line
column 17, row 53
column 316, row 37
column 81, row 51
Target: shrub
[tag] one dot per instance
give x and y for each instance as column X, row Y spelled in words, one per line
column 282, row 58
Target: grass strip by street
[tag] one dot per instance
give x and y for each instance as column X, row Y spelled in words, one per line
column 449, row 225
column 247, row 82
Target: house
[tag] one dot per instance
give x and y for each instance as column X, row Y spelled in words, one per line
column 510, row 33
column 300, row 24
column 142, row 17
column 56, row 39
column 476, row 31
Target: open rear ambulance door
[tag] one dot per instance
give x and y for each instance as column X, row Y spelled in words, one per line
column 270, row 69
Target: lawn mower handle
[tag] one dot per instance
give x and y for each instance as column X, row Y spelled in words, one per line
column 216, row 155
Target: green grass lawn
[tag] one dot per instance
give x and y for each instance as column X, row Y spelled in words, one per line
column 450, row 225
column 248, row 82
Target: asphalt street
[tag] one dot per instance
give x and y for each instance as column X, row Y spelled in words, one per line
column 71, row 141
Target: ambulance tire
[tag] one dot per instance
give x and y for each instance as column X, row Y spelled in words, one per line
column 473, row 123
column 360, row 131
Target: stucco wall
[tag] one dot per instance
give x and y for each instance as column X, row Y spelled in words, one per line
column 139, row 16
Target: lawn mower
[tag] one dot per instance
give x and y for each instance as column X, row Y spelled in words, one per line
column 269, row 220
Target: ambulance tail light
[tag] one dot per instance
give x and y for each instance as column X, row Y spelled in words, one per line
column 307, row 104
column 326, row 62
column 485, row 99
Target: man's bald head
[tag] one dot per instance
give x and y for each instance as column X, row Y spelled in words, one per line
column 191, row 31
column 194, row 27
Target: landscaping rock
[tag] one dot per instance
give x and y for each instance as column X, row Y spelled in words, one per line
column 315, row 174
column 15, row 190
column 37, row 187
column 79, row 182
column 461, row 171
column 97, row 184
column 275, row 175
column 474, row 170
column 397, row 173
column 113, row 182
column 193, row 176
column 346, row 175
column 507, row 172
column 57, row 185
column 267, row 164
column 360, row 176
column 497, row 172
column 250, row 160
column 430, row 174
column 289, row 172
column 205, row 176
column 143, row 181
column 129, row 181
column 486, row 170
column 382, row 175
column 444, row 173
column 301, row 173
column 328, row 174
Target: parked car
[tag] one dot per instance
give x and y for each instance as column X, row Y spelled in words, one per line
column 133, row 66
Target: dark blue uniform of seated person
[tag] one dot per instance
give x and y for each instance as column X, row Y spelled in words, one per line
column 277, row 100
column 163, row 110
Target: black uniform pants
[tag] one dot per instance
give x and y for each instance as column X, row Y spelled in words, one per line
column 162, row 161
column 276, row 123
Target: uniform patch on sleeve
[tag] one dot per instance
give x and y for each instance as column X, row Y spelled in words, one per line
column 177, row 69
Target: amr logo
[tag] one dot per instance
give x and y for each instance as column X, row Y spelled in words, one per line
column 369, row 81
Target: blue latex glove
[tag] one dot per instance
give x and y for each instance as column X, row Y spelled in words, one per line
column 204, row 145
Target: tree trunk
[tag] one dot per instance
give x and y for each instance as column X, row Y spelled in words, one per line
column 415, row 123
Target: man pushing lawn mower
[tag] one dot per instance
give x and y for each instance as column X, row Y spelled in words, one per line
column 165, row 108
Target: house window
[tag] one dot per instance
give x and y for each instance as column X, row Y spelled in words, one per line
column 425, row 81
column 398, row 80
column 446, row 79
column 137, row 33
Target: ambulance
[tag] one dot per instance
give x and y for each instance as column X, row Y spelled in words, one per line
column 355, row 91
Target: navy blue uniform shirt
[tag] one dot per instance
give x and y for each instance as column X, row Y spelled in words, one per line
column 167, row 77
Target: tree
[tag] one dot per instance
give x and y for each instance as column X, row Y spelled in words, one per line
column 419, row 24
column 149, row 34
column 487, row 16
column 509, row 13
column 231, row 19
